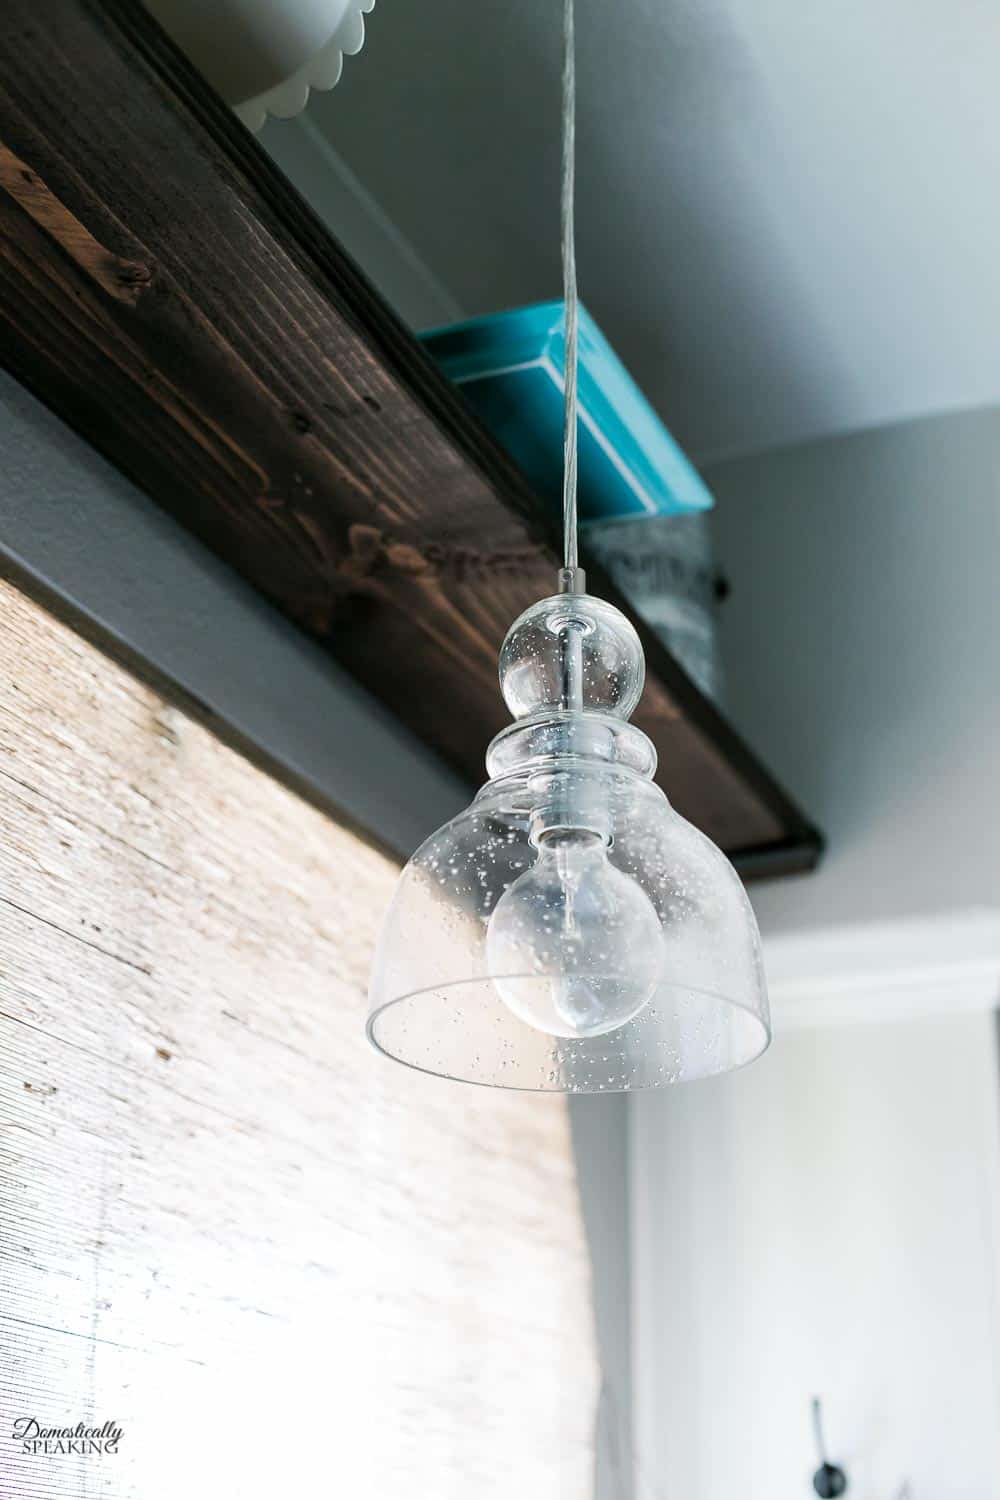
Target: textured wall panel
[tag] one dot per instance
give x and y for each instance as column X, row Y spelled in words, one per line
column 281, row 1264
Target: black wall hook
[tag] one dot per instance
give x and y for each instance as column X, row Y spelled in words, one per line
column 828, row 1480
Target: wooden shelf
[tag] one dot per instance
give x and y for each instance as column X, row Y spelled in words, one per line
column 165, row 290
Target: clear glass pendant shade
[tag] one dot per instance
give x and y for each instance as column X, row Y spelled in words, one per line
column 569, row 931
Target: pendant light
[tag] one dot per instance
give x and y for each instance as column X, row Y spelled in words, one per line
column 569, row 931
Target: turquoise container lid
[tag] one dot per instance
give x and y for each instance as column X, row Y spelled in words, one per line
column 511, row 367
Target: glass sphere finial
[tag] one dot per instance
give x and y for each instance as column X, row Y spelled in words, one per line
column 533, row 675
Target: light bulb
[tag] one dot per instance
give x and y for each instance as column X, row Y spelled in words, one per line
column 574, row 946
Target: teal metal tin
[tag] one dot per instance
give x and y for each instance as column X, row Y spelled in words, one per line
column 510, row 367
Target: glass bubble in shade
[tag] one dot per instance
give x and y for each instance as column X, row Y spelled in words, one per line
column 569, row 931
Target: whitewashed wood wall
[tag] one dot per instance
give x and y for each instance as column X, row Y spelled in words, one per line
column 284, row 1266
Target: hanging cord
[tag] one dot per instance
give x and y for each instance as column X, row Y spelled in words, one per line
column 571, row 578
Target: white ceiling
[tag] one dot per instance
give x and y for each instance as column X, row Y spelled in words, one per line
column 789, row 213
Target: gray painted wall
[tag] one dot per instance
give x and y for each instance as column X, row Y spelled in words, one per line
column 823, row 1223
column 601, row 1144
column 862, row 647
column 782, row 221
column 355, row 218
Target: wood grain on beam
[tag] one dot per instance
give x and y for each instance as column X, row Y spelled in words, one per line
column 166, row 291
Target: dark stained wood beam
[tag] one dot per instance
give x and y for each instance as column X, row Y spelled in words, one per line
column 165, row 290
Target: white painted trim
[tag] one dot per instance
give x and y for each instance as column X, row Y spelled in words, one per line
column 886, row 971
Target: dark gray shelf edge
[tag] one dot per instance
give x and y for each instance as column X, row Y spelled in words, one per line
column 796, row 856
column 79, row 537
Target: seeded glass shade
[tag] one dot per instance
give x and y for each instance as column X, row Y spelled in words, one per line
column 569, row 931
